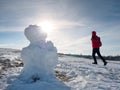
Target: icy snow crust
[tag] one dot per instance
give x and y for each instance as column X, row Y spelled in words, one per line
column 39, row 58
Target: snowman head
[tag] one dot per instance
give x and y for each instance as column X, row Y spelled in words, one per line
column 34, row 34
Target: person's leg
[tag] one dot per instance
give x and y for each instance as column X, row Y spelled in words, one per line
column 98, row 52
column 93, row 55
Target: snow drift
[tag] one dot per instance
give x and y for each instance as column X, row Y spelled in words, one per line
column 39, row 58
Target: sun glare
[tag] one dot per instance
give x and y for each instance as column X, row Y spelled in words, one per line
column 46, row 26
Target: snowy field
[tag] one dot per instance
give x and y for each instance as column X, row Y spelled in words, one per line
column 82, row 75
column 76, row 73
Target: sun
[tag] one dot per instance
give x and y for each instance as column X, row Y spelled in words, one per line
column 46, row 26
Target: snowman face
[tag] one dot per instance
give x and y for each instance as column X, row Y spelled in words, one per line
column 35, row 34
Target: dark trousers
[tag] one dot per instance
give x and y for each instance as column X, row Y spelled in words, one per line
column 96, row 50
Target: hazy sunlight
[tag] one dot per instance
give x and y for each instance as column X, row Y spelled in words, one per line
column 46, row 26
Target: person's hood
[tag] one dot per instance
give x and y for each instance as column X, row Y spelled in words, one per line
column 93, row 33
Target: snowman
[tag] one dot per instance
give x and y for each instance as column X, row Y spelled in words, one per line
column 39, row 58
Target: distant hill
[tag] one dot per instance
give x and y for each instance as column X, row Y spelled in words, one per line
column 115, row 58
column 9, row 50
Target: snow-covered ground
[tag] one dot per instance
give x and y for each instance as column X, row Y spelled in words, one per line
column 82, row 75
column 77, row 73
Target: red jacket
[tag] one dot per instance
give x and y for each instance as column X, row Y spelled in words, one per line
column 96, row 43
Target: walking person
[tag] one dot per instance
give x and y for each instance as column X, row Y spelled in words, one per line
column 96, row 44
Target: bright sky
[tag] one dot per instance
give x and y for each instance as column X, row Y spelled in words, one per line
column 71, row 22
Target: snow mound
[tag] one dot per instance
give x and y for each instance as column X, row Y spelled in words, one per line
column 39, row 58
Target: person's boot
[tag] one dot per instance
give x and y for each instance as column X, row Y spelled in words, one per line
column 94, row 63
column 105, row 63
